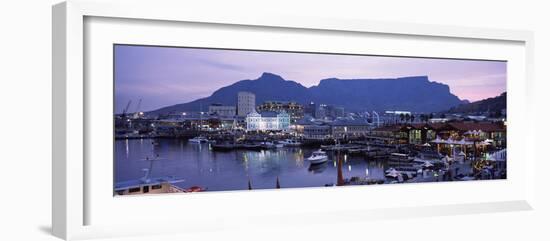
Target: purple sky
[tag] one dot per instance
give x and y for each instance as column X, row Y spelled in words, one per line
column 163, row 76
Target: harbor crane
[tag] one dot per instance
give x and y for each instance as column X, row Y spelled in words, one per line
column 125, row 111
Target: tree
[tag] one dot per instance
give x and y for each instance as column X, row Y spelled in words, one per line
column 423, row 118
column 407, row 117
column 402, row 117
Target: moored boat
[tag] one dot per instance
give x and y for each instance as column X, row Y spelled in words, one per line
column 223, row 146
column 153, row 185
column 318, row 157
column 270, row 145
column 290, row 142
column 198, row 139
column 148, row 184
column 251, row 146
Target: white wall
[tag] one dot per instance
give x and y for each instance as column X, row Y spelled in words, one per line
column 25, row 93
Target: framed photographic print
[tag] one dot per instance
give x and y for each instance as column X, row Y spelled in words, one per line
column 267, row 132
column 159, row 112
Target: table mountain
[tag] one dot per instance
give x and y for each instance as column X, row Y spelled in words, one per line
column 416, row 93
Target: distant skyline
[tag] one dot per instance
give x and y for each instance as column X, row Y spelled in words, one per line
column 163, row 76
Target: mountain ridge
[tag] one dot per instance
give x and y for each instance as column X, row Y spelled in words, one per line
column 494, row 104
column 414, row 93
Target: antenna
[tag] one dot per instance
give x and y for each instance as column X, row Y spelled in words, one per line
column 147, row 171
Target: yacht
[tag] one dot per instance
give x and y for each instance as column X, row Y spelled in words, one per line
column 198, row 139
column 318, row 157
column 148, row 184
column 153, row 185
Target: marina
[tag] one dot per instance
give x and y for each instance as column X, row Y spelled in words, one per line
column 199, row 165
column 188, row 165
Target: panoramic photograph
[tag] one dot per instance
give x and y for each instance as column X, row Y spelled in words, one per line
column 189, row 120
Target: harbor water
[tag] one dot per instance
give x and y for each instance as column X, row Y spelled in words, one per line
column 199, row 166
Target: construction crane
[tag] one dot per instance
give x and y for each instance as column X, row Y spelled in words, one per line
column 126, row 109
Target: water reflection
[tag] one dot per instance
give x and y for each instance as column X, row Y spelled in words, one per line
column 234, row 170
column 317, row 168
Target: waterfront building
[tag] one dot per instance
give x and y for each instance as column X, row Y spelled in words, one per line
column 317, row 132
column 420, row 133
column 222, row 110
column 295, row 110
column 299, row 125
column 343, row 128
column 388, row 134
column 246, row 103
column 495, row 132
column 267, row 121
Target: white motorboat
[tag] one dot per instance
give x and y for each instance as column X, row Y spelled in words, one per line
column 198, row 139
column 318, row 157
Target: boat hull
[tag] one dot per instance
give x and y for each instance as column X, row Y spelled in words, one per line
column 317, row 160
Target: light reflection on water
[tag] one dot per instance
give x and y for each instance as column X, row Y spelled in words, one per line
column 200, row 166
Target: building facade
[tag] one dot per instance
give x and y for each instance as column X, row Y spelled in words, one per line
column 310, row 108
column 295, row 110
column 222, row 110
column 421, row 133
column 246, row 103
column 268, row 121
column 350, row 128
column 317, row 132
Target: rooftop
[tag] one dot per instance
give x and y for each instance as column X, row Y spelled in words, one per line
column 461, row 126
column 483, row 126
column 355, row 122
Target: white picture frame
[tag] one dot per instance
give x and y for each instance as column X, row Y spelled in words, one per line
column 74, row 198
